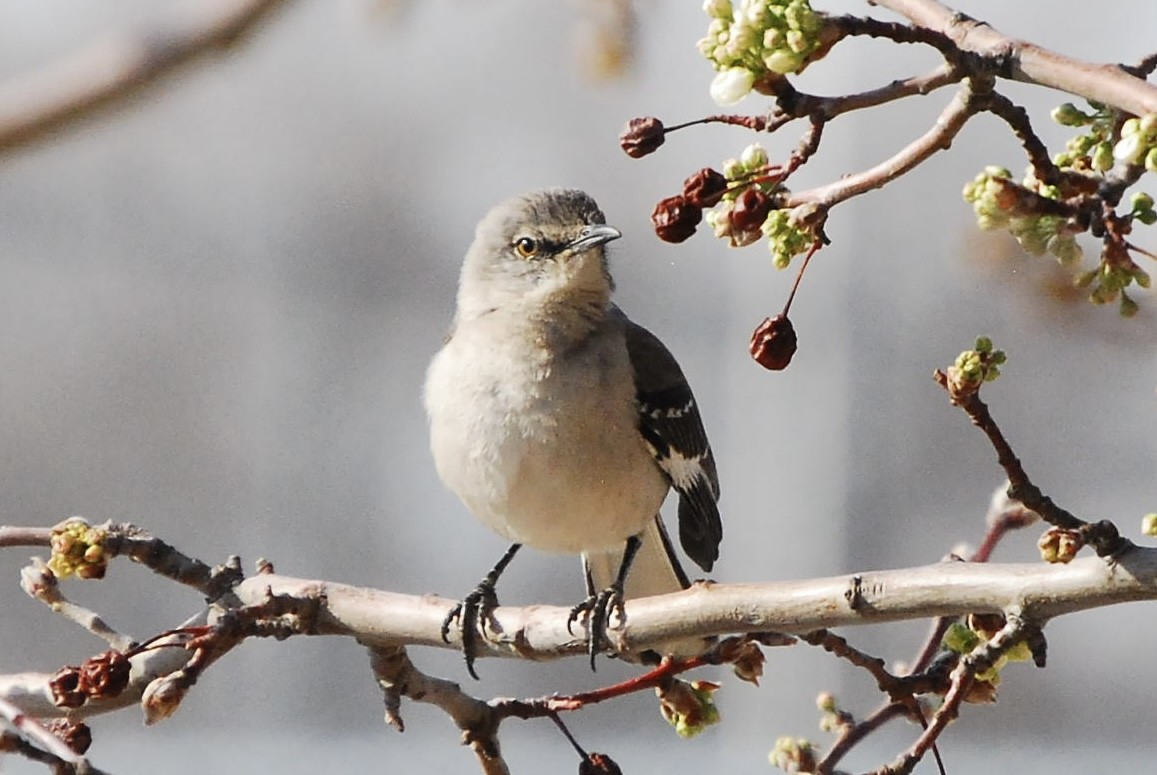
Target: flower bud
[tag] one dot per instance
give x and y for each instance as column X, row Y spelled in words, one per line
column 1102, row 158
column 718, row 9
column 783, row 61
column 1069, row 114
column 731, row 85
column 1130, row 150
column 753, row 158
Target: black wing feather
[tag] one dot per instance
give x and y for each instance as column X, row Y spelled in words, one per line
column 669, row 421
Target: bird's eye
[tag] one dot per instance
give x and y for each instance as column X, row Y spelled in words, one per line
column 526, row 246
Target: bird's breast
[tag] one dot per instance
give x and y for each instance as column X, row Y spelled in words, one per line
column 544, row 450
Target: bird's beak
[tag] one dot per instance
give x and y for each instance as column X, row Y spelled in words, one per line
column 594, row 235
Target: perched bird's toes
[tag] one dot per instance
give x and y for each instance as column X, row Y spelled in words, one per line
column 471, row 615
column 598, row 610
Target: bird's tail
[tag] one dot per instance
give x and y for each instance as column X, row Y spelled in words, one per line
column 656, row 570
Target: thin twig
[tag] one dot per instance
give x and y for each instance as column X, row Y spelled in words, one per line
column 40, row 584
column 1102, row 535
column 791, row 105
column 951, row 120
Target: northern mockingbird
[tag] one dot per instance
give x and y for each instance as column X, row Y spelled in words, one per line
column 559, row 422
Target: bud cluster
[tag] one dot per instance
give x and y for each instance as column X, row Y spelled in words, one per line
column 1107, row 283
column 963, row 639
column 793, row 754
column 834, row 718
column 1059, row 545
column 748, row 210
column 754, row 39
column 77, row 548
column 995, row 199
column 976, row 366
column 1091, row 151
column 689, row 707
column 1001, row 203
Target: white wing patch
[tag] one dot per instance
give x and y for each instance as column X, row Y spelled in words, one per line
column 671, row 413
column 684, row 471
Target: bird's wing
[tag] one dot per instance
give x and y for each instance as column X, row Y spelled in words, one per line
column 670, row 423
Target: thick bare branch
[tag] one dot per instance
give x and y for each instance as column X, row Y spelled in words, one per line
column 1023, row 61
column 382, row 619
column 1039, row 591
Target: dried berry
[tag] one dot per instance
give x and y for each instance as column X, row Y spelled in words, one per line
column 642, row 136
column 705, row 188
column 105, row 675
column 675, row 219
column 75, row 734
column 773, row 343
column 751, row 209
column 65, row 688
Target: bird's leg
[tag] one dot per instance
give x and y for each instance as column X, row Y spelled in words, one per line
column 474, row 609
column 599, row 607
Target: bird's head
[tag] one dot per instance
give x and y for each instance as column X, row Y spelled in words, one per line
column 541, row 248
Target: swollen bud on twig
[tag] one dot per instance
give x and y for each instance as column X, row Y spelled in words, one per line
column 773, row 343
column 675, row 219
column 642, row 136
column 1058, row 545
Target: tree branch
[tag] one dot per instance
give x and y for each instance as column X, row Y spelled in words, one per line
column 1020, row 60
column 381, row 619
column 107, row 73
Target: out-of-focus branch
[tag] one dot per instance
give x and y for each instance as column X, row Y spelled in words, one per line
column 36, row 742
column 35, row 105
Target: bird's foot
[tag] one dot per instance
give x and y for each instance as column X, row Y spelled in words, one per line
column 597, row 610
column 471, row 615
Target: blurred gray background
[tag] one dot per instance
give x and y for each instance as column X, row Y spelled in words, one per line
column 219, row 302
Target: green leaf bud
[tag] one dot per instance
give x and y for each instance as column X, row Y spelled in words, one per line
column 1102, row 159
column 1069, row 114
column 1128, row 307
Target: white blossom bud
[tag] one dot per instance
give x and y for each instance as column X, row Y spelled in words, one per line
column 732, row 85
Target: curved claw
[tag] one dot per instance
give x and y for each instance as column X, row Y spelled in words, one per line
column 471, row 615
column 598, row 610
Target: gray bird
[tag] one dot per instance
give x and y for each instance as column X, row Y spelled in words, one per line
column 559, row 422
